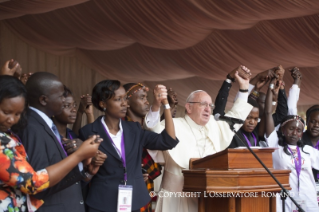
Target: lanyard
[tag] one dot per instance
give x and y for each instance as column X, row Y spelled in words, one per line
column 70, row 136
column 297, row 164
column 60, row 142
column 122, row 154
column 249, row 141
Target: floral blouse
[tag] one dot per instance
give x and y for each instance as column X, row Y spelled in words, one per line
column 17, row 177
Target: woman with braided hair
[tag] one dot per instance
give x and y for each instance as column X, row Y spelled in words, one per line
column 292, row 154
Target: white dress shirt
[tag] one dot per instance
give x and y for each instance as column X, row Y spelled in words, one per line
column 115, row 138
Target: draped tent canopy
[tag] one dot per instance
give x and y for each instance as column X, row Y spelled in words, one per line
column 183, row 44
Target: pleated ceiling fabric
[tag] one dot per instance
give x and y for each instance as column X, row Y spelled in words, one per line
column 186, row 45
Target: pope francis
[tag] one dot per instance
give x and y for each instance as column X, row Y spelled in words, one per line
column 199, row 135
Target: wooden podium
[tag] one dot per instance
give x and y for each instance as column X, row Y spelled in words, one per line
column 234, row 181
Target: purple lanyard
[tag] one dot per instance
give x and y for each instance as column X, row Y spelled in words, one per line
column 70, row 136
column 122, row 154
column 249, row 141
column 60, row 142
column 297, row 164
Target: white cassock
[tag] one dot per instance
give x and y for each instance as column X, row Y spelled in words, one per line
column 195, row 141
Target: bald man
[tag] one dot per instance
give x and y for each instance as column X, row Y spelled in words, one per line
column 200, row 135
column 43, row 144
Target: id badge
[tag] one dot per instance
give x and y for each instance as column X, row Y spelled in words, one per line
column 124, row 198
column 300, row 202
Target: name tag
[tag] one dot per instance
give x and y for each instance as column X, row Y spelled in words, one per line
column 124, row 198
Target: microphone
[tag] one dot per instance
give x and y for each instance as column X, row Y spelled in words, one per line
column 229, row 120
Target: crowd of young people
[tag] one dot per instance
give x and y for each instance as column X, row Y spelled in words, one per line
column 119, row 150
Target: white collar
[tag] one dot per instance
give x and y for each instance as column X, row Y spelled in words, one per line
column 46, row 118
column 192, row 124
column 118, row 133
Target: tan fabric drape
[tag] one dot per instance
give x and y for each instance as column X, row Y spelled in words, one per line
column 17, row 8
column 186, row 45
column 71, row 71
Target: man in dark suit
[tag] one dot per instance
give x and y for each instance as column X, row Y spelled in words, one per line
column 43, row 144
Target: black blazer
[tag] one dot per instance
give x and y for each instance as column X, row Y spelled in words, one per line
column 43, row 150
column 104, row 185
column 236, row 142
column 282, row 107
column 221, row 98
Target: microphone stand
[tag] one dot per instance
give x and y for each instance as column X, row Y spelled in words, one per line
column 284, row 193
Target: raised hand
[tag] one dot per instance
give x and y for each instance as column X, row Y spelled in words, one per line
column 264, row 76
column 261, row 84
column 12, row 68
column 296, row 75
column 160, row 96
column 24, row 78
column 86, row 105
column 243, row 72
column 280, row 72
column 243, row 75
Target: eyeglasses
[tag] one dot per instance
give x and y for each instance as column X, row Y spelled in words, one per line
column 70, row 106
column 204, row 104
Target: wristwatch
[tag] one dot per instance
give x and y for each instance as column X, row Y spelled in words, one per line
column 86, row 175
column 255, row 93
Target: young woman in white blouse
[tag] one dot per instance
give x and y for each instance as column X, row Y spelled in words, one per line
column 292, row 154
